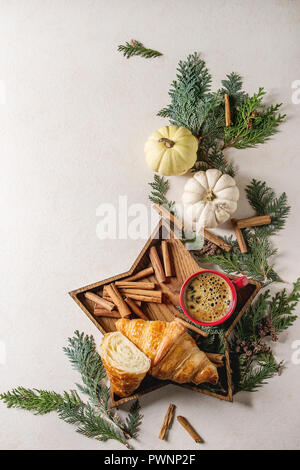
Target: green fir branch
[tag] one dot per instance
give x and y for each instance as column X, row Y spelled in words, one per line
column 258, row 374
column 264, row 201
column 39, row 401
column 233, row 87
column 212, row 157
column 93, row 419
column 160, row 187
column 136, row 48
column 282, row 307
column 133, row 420
column 84, row 358
column 189, row 93
column 91, row 424
column 247, row 327
column 254, row 123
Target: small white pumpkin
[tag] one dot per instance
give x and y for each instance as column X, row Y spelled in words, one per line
column 171, row 150
column 210, row 197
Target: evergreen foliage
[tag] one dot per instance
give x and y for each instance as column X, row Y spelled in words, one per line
column 39, row 401
column 160, row 187
column 134, row 47
column 133, row 420
column 263, row 200
column 255, row 376
column 254, row 123
column 195, row 106
column 94, row 418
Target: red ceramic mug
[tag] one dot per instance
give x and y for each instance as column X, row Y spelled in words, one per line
column 233, row 285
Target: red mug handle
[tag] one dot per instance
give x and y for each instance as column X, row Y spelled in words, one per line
column 240, row 282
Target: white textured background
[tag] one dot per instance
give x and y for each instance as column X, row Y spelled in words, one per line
column 72, row 133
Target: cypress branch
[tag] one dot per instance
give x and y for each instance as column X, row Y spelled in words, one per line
column 134, row 47
column 40, row 401
column 263, row 200
column 254, row 123
column 160, row 187
column 84, row 358
column 257, row 375
column 133, row 420
column 91, row 424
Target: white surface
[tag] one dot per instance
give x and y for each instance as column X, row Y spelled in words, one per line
column 72, row 134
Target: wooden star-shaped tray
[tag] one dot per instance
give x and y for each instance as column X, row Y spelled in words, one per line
column 184, row 265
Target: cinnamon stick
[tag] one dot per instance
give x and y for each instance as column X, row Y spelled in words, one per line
column 144, row 292
column 227, row 110
column 239, row 237
column 254, row 221
column 118, row 300
column 99, row 301
column 135, row 285
column 141, row 274
column 179, row 224
column 107, row 297
column 136, row 309
column 166, row 258
column 163, row 212
column 156, row 264
column 184, row 422
column 217, row 359
column 205, row 334
column 101, row 312
column 167, row 421
column 145, row 298
column 216, row 240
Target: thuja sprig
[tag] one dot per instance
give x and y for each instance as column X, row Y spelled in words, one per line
column 134, row 47
column 264, row 201
column 254, row 123
column 133, row 420
column 195, row 106
column 160, row 187
column 40, row 401
column 82, row 354
column 94, row 418
column 256, row 375
column 91, row 424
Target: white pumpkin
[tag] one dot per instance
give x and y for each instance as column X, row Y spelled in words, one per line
column 209, row 198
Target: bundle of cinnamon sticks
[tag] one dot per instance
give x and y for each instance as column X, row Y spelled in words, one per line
column 124, row 297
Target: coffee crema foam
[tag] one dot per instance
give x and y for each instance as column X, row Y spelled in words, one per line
column 208, row 297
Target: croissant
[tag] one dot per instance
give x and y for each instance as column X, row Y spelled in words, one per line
column 125, row 364
column 173, row 352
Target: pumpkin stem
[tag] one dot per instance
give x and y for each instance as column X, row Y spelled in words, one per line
column 210, row 196
column 168, row 143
